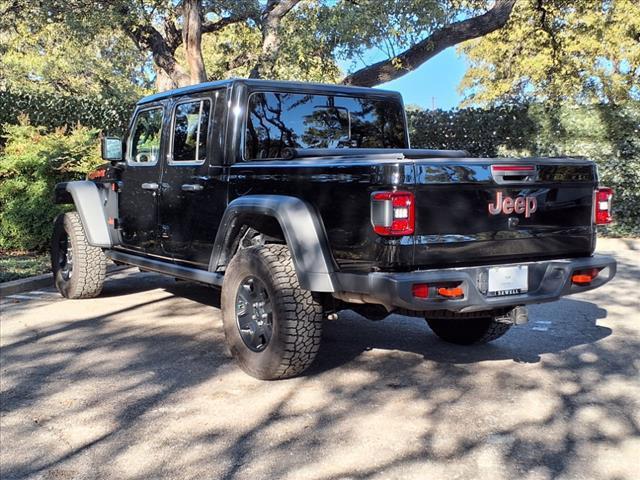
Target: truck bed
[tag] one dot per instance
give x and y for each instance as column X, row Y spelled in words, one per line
column 452, row 194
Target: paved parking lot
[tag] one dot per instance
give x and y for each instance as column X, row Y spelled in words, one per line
column 137, row 384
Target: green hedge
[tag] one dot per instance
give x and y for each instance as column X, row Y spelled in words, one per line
column 31, row 163
column 609, row 135
column 54, row 111
column 43, row 141
column 33, row 159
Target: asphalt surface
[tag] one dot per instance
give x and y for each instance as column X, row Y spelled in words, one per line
column 137, row 384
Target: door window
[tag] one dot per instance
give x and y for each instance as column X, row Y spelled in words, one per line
column 144, row 146
column 190, row 128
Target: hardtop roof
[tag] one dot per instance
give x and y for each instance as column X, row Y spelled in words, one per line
column 266, row 84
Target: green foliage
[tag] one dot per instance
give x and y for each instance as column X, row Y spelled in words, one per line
column 53, row 58
column 22, row 265
column 303, row 55
column 381, row 29
column 31, row 163
column 583, row 51
column 66, row 45
column 55, row 111
column 607, row 134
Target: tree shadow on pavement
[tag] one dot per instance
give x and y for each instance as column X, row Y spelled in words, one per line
column 346, row 339
column 382, row 399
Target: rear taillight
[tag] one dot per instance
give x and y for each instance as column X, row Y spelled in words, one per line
column 420, row 290
column 602, row 199
column 438, row 291
column 393, row 213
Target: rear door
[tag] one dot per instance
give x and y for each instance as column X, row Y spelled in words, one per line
column 138, row 197
column 194, row 197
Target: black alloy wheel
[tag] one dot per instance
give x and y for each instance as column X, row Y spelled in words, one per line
column 254, row 314
column 272, row 326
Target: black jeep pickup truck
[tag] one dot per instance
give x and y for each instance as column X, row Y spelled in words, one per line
column 301, row 200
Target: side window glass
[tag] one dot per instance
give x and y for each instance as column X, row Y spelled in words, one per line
column 145, row 137
column 190, row 127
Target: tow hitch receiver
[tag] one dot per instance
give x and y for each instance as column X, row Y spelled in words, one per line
column 517, row 316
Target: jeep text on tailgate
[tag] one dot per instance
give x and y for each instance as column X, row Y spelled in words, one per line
column 301, row 200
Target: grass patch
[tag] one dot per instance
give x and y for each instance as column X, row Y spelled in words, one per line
column 15, row 265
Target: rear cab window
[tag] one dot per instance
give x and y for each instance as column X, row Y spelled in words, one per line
column 279, row 120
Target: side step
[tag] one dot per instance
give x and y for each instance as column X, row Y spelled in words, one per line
column 171, row 269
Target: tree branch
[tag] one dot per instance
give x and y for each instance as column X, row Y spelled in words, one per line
column 148, row 38
column 172, row 34
column 270, row 21
column 211, row 27
column 439, row 40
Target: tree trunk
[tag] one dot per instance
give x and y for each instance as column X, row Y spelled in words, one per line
column 163, row 81
column 192, row 39
column 271, row 18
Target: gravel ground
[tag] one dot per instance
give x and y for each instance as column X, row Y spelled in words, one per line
column 137, row 384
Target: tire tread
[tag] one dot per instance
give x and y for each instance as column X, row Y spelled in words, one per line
column 89, row 263
column 298, row 312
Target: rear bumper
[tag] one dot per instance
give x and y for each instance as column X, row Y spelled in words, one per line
column 548, row 281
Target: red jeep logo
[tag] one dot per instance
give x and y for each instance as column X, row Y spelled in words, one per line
column 508, row 205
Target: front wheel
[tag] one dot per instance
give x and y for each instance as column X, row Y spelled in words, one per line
column 272, row 326
column 78, row 268
column 468, row 330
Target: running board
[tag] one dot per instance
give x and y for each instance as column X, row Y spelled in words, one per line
column 185, row 273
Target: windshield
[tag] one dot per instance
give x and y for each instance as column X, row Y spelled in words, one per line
column 289, row 120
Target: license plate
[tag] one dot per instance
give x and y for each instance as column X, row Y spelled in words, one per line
column 508, row 280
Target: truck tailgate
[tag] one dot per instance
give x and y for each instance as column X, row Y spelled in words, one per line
column 499, row 210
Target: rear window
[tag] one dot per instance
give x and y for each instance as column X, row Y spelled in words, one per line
column 277, row 121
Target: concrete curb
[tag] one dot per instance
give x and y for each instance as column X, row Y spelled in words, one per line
column 40, row 281
column 26, row 284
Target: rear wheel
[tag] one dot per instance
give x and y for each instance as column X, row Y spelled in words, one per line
column 272, row 326
column 78, row 268
column 468, row 330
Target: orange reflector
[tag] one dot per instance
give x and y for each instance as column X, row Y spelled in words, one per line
column 420, row 290
column 584, row 277
column 450, row 292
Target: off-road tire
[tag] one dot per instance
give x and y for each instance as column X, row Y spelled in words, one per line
column 296, row 315
column 89, row 266
column 467, row 329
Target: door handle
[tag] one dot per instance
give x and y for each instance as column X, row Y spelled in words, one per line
column 150, row 186
column 189, row 187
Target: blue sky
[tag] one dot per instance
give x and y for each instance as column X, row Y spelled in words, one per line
column 436, row 80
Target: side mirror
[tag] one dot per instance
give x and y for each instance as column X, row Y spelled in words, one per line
column 112, row 149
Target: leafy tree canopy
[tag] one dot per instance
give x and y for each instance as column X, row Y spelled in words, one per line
column 583, row 51
column 190, row 41
column 51, row 58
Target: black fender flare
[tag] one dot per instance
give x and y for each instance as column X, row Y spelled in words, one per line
column 303, row 232
column 89, row 205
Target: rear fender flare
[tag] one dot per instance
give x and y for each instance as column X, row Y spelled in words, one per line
column 89, row 205
column 302, row 230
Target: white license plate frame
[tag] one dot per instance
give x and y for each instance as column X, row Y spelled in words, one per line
column 511, row 280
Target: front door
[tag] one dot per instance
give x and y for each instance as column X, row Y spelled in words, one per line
column 191, row 208
column 138, row 197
